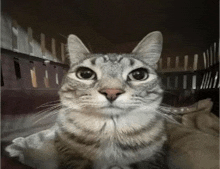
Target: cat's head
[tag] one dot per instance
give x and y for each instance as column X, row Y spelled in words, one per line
column 113, row 84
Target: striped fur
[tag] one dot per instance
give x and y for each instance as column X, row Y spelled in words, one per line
column 101, row 134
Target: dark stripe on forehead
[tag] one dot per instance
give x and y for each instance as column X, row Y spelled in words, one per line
column 93, row 61
column 105, row 58
column 131, row 62
column 120, row 58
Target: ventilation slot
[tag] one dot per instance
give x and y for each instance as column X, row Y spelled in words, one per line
column 2, row 80
column 17, row 69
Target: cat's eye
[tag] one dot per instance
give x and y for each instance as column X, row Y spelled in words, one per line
column 85, row 73
column 138, row 74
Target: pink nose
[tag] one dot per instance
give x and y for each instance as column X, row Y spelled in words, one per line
column 111, row 94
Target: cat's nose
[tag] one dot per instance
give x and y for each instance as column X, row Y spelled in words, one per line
column 111, row 94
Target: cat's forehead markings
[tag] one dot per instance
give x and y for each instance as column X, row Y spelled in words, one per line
column 131, row 62
column 93, row 61
column 120, row 57
column 128, row 61
column 106, row 58
column 114, row 58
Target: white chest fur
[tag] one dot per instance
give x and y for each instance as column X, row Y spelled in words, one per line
column 113, row 133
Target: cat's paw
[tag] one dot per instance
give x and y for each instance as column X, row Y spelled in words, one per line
column 16, row 148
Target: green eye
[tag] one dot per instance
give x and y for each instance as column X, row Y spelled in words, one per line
column 138, row 74
column 85, row 73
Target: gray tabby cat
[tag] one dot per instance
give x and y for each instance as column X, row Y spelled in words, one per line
column 109, row 117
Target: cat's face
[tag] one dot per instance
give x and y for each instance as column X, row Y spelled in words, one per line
column 113, row 84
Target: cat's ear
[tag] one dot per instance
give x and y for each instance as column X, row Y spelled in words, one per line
column 77, row 50
column 150, row 47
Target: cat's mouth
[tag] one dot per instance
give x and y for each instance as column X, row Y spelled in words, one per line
column 111, row 107
column 111, row 110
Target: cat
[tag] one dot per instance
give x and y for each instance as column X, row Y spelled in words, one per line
column 110, row 116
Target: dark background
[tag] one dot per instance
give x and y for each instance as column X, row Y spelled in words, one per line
column 189, row 27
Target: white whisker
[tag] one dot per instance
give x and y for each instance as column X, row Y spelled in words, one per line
column 47, row 115
column 42, row 106
column 168, row 113
column 48, row 110
column 88, row 104
column 141, row 99
column 49, row 103
column 170, row 118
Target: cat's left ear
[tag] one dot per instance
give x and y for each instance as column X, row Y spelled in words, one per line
column 77, row 50
column 150, row 48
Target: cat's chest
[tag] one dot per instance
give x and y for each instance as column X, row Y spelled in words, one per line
column 112, row 141
column 115, row 145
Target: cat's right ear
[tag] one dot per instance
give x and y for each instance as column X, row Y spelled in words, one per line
column 77, row 50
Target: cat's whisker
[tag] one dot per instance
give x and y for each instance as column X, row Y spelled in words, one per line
column 86, row 105
column 82, row 100
column 89, row 102
column 48, row 103
column 142, row 100
column 47, row 115
column 47, row 110
column 68, row 109
column 50, row 109
column 165, row 105
column 133, row 103
column 166, row 110
column 172, row 111
column 85, row 97
column 169, row 117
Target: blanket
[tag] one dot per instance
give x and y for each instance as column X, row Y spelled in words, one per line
column 193, row 141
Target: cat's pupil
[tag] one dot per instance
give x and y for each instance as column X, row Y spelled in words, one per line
column 139, row 74
column 85, row 73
